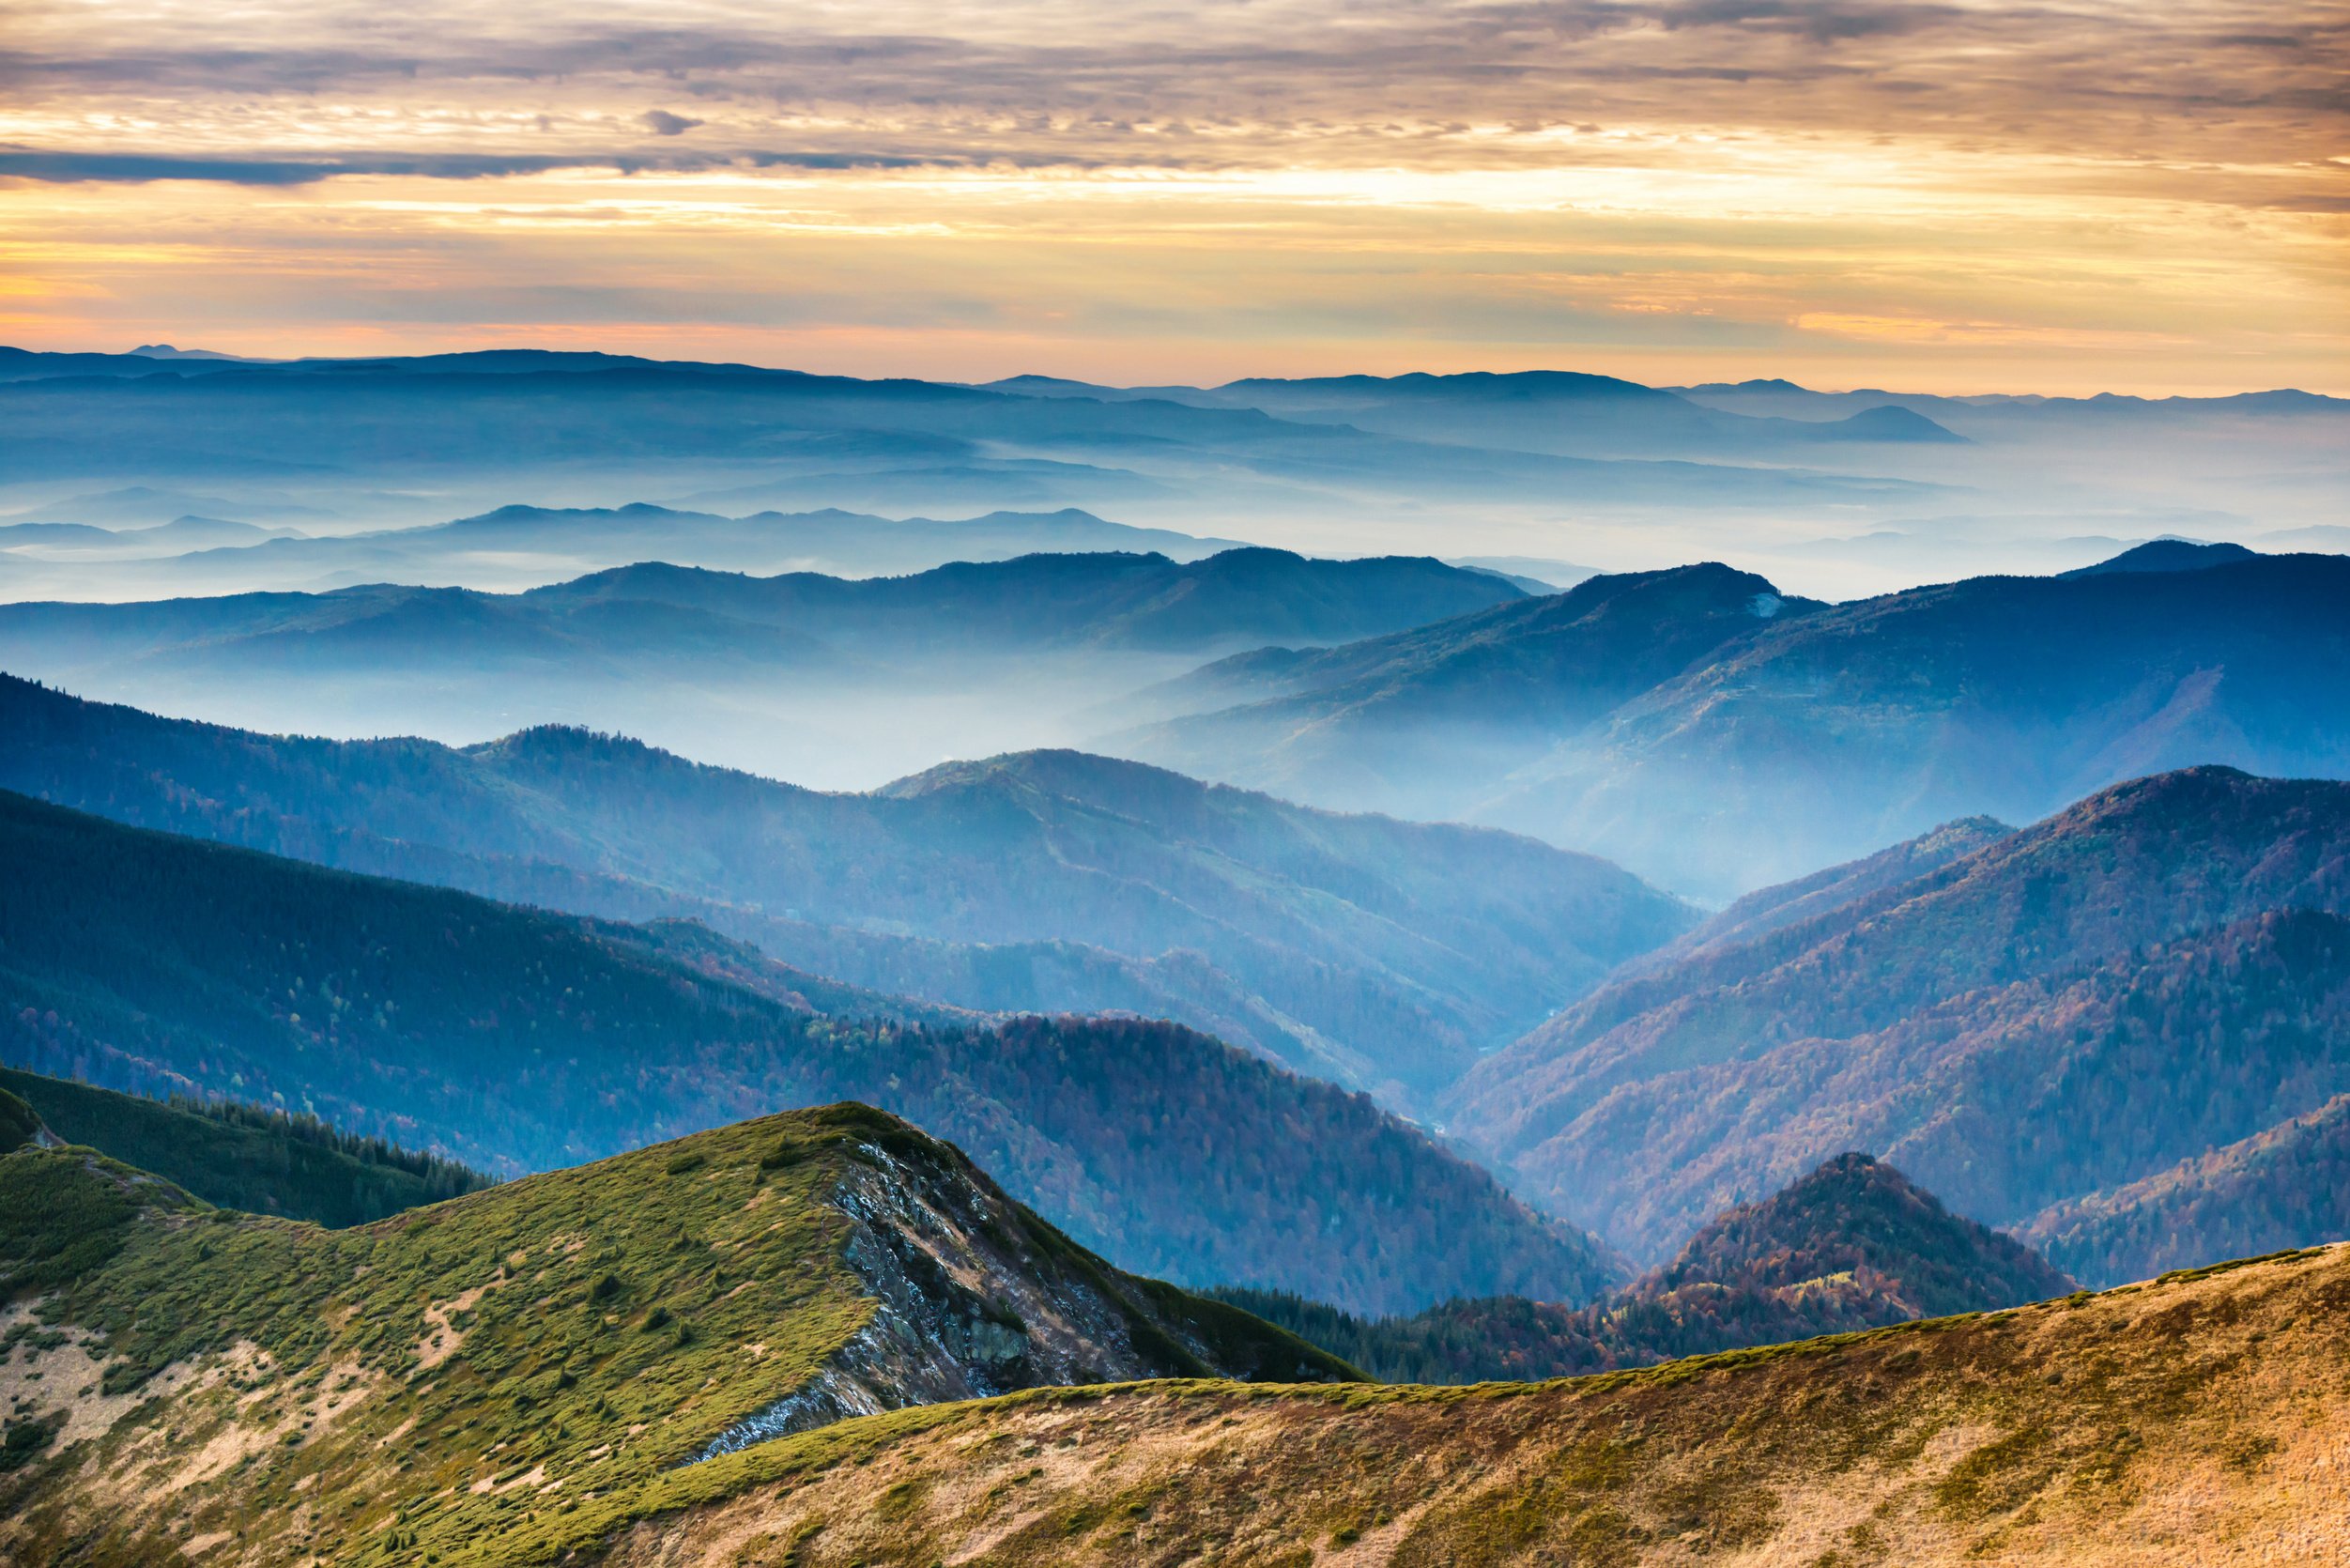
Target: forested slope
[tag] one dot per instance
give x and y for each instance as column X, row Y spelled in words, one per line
column 1381, row 954
column 518, row 1040
column 2162, row 970
column 1852, row 1245
column 241, row 1156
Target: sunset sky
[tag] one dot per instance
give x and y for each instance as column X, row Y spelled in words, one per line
column 2148, row 197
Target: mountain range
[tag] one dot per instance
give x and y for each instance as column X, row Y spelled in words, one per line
column 1708, row 731
column 1830, row 493
column 831, row 682
column 440, row 418
column 1381, row 954
column 517, row 1039
column 1537, row 411
column 512, row 548
column 1097, row 601
column 2050, row 1023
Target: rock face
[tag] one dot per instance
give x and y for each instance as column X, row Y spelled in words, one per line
column 583, row 1333
column 976, row 1297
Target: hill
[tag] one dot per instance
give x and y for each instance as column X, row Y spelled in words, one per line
column 1751, row 751
column 836, row 682
column 1237, row 598
column 569, row 1335
column 518, row 1039
column 1852, row 1245
column 1768, row 909
column 1381, row 954
column 2166, row 555
column 2289, row 1181
column 1535, row 410
column 1368, row 724
column 2139, row 1426
column 2161, row 971
column 240, row 1156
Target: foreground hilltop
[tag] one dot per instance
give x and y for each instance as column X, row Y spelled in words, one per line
column 2166, row 1423
column 181, row 1376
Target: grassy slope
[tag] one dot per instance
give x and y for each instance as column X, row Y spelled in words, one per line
column 453, row 1375
column 2198, row 1414
column 262, row 1162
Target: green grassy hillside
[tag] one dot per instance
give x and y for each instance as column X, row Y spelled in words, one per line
column 242, row 1157
column 429, row 1386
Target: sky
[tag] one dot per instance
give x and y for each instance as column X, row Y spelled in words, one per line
column 2149, row 197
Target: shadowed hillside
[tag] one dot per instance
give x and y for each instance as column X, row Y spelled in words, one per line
column 520, row 1039
column 1854, row 1245
column 2161, row 970
column 1384, row 955
column 240, row 1156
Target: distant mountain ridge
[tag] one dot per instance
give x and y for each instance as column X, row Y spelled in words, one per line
column 1568, row 412
column 1031, row 602
column 1380, row 953
column 1765, row 748
column 2161, row 971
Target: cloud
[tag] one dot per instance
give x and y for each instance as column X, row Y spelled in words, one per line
column 139, row 168
column 1301, row 81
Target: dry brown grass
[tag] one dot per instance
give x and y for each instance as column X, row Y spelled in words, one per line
column 2201, row 1419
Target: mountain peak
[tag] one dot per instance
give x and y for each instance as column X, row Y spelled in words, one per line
column 1854, row 1213
column 2167, row 555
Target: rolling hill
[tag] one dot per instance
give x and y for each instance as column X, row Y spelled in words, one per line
column 1023, row 607
column 2161, row 971
column 1718, row 754
column 1378, row 953
column 518, row 1039
column 828, row 681
column 569, row 1335
column 240, row 1156
column 2135, row 1426
column 1852, row 1245
column 1535, row 410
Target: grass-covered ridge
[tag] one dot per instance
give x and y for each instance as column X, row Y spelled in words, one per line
column 442, row 1380
column 243, row 1156
column 2142, row 1425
